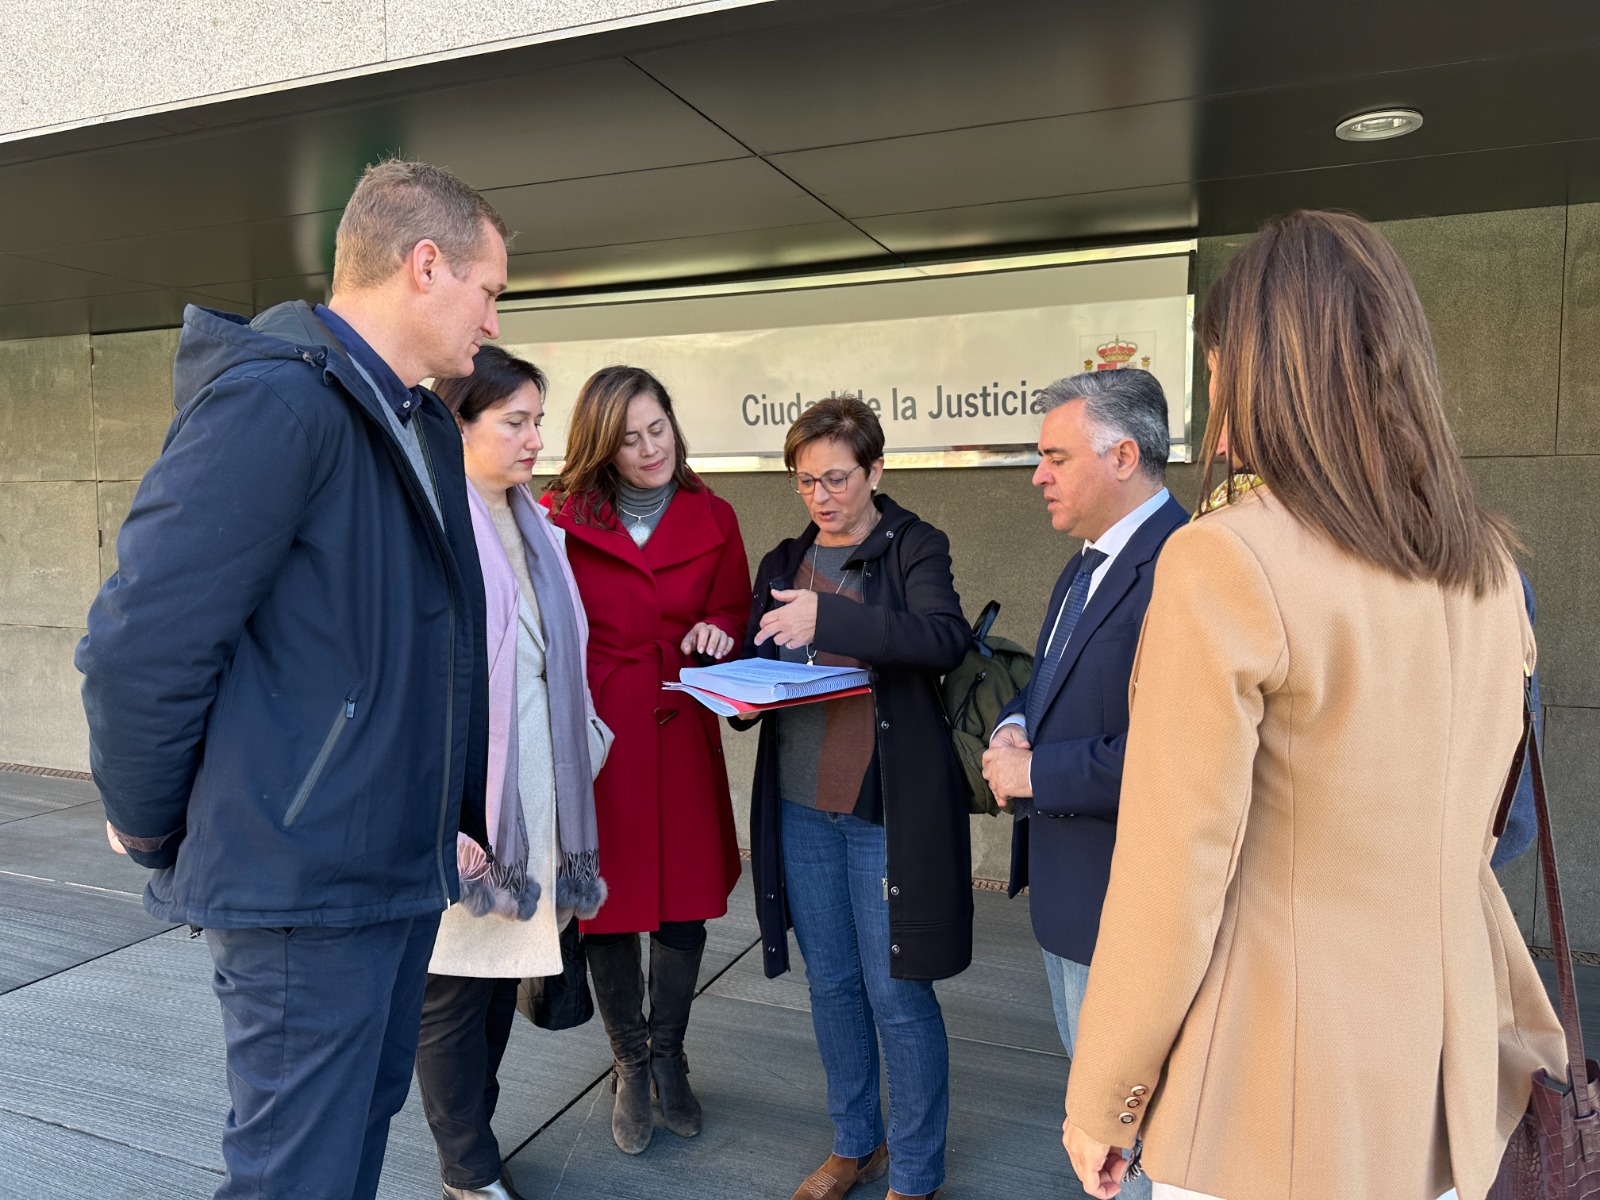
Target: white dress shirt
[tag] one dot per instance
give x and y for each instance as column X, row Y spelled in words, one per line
column 1110, row 543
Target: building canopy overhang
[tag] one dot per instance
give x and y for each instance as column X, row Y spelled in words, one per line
column 821, row 136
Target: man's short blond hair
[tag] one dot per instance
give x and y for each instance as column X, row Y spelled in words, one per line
column 397, row 204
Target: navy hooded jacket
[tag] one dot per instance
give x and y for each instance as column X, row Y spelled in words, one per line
column 284, row 679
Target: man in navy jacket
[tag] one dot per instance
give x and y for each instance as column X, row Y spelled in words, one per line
column 285, row 678
column 1056, row 756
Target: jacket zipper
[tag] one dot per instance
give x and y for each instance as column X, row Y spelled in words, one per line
column 450, row 684
column 883, row 763
column 346, row 713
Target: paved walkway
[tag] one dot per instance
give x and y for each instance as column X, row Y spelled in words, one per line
column 111, row 1064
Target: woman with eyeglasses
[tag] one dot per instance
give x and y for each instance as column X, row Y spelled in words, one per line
column 661, row 568
column 858, row 817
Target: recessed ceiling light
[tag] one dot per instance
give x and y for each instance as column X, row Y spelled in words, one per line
column 1379, row 126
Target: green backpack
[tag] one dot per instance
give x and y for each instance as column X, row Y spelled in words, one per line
column 982, row 684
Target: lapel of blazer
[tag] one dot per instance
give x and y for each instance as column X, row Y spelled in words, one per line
column 1119, row 580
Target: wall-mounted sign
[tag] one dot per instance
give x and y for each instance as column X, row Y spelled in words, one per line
column 953, row 366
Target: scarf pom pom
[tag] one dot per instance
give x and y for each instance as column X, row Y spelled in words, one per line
column 528, row 902
column 583, row 895
column 477, row 897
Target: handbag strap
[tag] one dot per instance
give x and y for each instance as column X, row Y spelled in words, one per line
column 1567, row 985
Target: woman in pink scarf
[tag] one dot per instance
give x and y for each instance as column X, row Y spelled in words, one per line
column 545, row 747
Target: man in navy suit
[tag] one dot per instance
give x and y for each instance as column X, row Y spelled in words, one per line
column 1056, row 755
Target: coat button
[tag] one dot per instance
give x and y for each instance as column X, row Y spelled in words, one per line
column 894, row 891
column 1133, row 1102
column 1138, row 1089
column 772, row 896
column 890, row 534
column 883, row 724
column 894, row 949
column 1126, row 1118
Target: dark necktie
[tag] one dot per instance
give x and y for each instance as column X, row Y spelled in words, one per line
column 1044, row 671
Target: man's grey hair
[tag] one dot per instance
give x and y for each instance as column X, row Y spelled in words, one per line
column 1128, row 403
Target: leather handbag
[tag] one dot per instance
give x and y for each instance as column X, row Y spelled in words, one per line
column 1554, row 1153
column 560, row 1001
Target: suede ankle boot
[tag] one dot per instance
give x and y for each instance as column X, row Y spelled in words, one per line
column 619, row 995
column 674, row 975
column 834, row 1178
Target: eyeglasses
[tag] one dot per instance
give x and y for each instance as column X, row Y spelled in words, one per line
column 833, row 482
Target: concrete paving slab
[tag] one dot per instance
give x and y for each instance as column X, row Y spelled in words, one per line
column 767, row 1127
column 127, row 1048
column 50, row 927
column 1002, row 998
column 25, row 795
column 68, row 845
column 50, row 1160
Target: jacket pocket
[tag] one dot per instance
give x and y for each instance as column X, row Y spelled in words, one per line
column 341, row 719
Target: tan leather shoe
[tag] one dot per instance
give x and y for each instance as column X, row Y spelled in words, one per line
column 838, row 1175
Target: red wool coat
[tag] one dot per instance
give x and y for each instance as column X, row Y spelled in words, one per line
column 668, row 850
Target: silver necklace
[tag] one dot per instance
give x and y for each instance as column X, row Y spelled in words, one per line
column 811, row 653
column 639, row 531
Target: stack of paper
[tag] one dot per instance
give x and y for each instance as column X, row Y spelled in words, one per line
column 754, row 685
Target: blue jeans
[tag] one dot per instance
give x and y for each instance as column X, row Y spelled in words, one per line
column 834, row 871
column 1068, row 981
column 321, row 1030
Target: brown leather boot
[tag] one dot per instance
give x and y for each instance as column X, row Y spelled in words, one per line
column 838, row 1175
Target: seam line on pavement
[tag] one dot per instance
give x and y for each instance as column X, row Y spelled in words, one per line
column 570, row 1104
column 110, row 1141
column 87, row 887
column 22, row 987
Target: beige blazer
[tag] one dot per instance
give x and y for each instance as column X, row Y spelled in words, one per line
column 1308, row 984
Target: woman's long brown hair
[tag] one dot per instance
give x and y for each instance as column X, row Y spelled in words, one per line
column 1327, row 387
column 588, row 479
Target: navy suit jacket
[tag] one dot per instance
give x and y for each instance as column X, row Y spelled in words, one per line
column 1062, row 849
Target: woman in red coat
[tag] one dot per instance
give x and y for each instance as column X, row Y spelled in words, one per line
column 662, row 571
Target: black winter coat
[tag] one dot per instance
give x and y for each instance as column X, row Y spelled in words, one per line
column 909, row 630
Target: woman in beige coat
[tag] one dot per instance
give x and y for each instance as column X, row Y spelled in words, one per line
column 1308, row 984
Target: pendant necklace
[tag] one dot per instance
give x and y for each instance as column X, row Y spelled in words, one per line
column 638, row 530
column 811, row 652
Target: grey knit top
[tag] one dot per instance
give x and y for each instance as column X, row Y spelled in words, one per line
column 640, row 509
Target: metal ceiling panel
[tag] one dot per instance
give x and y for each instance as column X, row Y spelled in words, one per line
column 189, row 258
column 1088, row 152
column 1247, row 45
column 493, row 135
column 648, row 206
column 1489, row 180
column 1134, row 214
column 1470, row 106
column 932, row 68
column 25, row 280
column 159, row 308
column 752, row 251
column 946, row 66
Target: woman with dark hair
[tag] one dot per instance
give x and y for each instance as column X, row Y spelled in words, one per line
column 1307, row 982
column 545, row 745
column 661, row 567
column 858, row 817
